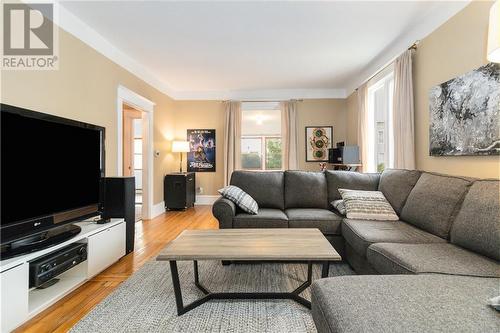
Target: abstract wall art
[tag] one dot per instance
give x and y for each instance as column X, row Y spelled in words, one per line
column 318, row 140
column 465, row 113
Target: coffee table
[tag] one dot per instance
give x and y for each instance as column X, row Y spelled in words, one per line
column 304, row 245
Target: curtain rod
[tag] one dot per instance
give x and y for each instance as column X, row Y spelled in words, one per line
column 413, row 46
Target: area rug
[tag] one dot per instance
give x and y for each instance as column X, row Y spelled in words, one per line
column 145, row 302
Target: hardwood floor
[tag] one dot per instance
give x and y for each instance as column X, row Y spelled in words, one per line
column 150, row 237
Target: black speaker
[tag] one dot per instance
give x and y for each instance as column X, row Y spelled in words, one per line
column 118, row 201
column 335, row 156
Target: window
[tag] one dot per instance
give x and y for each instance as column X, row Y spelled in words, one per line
column 137, row 126
column 380, row 102
column 261, row 137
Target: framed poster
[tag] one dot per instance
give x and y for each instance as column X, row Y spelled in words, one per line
column 201, row 155
column 318, row 140
column 464, row 114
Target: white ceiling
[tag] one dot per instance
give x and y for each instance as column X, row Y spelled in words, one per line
column 254, row 50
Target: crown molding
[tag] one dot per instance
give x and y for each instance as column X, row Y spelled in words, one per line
column 75, row 26
column 262, row 94
column 436, row 16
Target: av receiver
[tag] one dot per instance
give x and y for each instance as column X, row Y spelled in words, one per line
column 53, row 264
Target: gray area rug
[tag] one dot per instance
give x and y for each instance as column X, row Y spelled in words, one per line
column 145, row 302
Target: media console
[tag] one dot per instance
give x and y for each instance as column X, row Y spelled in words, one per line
column 105, row 245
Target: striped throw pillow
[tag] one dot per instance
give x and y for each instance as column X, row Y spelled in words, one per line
column 367, row 205
column 240, row 198
column 339, row 206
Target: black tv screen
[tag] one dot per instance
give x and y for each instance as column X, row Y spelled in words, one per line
column 49, row 165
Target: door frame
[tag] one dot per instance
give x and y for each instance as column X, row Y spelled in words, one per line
column 127, row 96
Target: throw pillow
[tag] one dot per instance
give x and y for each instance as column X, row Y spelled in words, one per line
column 367, row 205
column 339, row 206
column 240, row 198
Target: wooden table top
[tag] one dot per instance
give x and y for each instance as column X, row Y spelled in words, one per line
column 250, row 244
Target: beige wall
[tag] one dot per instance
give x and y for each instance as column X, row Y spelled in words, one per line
column 201, row 115
column 352, row 119
column 320, row 112
column 85, row 88
column 455, row 48
column 210, row 114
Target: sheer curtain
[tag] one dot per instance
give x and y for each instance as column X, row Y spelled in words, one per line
column 289, row 134
column 232, row 139
column 403, row 115
column 365, row 128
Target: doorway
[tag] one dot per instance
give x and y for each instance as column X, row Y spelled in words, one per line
column 142, row 111
column 132, row 152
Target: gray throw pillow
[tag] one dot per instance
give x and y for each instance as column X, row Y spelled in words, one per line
column 240, row 198
column 367, row 205
column 339, row 206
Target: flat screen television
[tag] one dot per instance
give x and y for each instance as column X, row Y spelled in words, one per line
column 51, row 169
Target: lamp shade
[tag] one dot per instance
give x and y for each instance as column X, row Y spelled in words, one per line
column 494, row 33
column 180, row 146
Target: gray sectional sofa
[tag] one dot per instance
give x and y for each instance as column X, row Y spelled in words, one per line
column 443, row 256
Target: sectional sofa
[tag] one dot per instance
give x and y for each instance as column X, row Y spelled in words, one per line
column 433, row 270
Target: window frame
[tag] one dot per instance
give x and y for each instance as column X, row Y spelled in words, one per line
column 385, row 81
column 262, row 106
column 263, row 139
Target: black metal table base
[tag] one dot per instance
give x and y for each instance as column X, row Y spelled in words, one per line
column 294, row 295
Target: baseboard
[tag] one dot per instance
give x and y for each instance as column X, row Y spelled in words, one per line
column 206, row 200
column 158, row 209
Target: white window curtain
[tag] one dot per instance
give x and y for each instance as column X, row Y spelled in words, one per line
column 403, row 114
column 289, row 134
column 232, row 137
column 365, row 130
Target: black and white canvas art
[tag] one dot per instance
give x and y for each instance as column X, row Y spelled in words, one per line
column 464, row 114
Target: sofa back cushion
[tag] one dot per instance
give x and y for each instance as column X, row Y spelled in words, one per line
column 305, row 189
column 350, row 180
column 396, row 184
column 434, row 202
column 477, row 226
column 267, row 188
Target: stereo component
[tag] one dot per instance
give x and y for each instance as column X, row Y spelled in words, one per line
column 43, row 270
column 343, row 155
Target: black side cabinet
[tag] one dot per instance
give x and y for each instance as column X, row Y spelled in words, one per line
column 179, row 190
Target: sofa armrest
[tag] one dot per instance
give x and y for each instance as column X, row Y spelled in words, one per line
column 224, row 210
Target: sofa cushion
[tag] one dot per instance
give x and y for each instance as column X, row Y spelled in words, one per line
column 326, row 221
column 443, row 258
column 305, row 189
column 362, row 233
column 396, row 184
column 477, row 225
column 349, row 180
column 267, row 188
column 404, row 303
column 434, row 202
column 265, row 218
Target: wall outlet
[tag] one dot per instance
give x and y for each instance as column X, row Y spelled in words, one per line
column 199, row 190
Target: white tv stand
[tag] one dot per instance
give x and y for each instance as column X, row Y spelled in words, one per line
column 105, row 245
